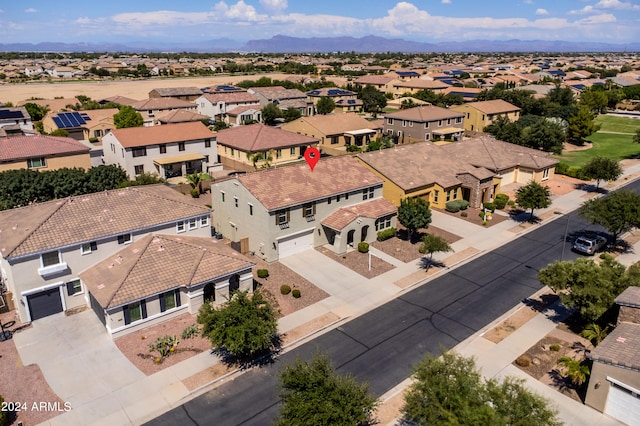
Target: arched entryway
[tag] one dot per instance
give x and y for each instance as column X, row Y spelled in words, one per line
column 363, row 233
column 209, row 294
column 234, row 283
column 350, row 236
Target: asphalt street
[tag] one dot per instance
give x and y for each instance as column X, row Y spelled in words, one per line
column 381, row 347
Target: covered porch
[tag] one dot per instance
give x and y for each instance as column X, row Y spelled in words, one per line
column 360, row 137
column 453, row 133
column 180, row 165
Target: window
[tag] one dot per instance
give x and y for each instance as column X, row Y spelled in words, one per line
column 439, row 123
column 338, row 198
column 122, row 152
column 411, row 124
column 282, row 218
column 87, row 248
column 180, row 146
column 292, row 151
column 448, row 121
column 113, row 148
column 207, row 143
column 169, row 300
column 235, row 201
column 436, row 194
column 51, row 258
column 404, row 123
column 74, row 287
column 222, row 196
column 346, row 196
column 458, row 120
column 193, row 223
column 163, row 148
column 134, row 312
column 329, row 200
column 279, row 153
column 232, row 152
column 427, row 136
column 426, row 125
column 139, row 169
column 383, row 223
column 399, row 133
column 390, row 121
column 124, row 239
column 367, row 194
column 308, row 210
column 449, row 195
column 206, row 158
column 180, row 227
column 545, row 174
column 204, row 221
column 335, row 140
column 250, row 209
column 139, row 152
column 36, row 163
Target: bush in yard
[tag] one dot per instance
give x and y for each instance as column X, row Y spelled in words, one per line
column 464, row 214
column 386, row 234
column 452, row 206
column 501, row 201
column 511, row 203
column 285, row 289
column 164, row 345
column 194, row 193
column 296, row 293
column 523, row 361
column 190, row 332
column 490, row 206
column 464, row 204
column 263, row 273
column 363, row 247
column 554, row 347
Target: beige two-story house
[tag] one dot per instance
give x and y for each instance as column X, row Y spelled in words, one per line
column 424, row 123
column 479, row 115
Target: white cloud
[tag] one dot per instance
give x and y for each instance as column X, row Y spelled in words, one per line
column 31, row 10
column 616, row 4
column 528, row 2
column 542, row 12
column 584, row 11
column 446, row 1
column 275, row 6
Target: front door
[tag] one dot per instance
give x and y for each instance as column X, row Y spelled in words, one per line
column 209, row 293
column 350, row 235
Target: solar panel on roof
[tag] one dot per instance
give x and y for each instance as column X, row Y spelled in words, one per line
column 58, row 122
column 5, row 113
column 69, row 120
column 85, row 116
column 351, row 101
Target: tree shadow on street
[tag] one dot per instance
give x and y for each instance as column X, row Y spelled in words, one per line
column 426, row 263
column 522, row 216
column 255, row 359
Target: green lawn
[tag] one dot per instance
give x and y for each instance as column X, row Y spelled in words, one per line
column 609, row 145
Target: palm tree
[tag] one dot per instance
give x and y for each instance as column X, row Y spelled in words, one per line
column 265, row 157
column 575, row 370
column 595, row 333
column 195, row 180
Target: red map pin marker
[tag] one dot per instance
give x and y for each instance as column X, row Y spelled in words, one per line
column 312, row 155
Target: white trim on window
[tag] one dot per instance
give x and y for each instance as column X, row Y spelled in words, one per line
column 180, row 227
column 204, row 221
column 193, row 224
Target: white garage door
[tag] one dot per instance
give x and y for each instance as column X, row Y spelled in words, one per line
column 623, row 404
column 524, row 176
column 295, row 243
column 508, row 177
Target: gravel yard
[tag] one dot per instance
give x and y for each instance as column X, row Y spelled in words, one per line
column 406, row 251
column 358, row 262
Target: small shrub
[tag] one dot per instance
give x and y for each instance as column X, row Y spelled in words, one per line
column 481, row 214
column 464, row 204
column 285, row 289
column 490, row 206
column 190, row 332
column 452, row 207
column 194, row 193
column 363, row 247
column 464, row 214
column 511, row 203
column 555, row 347
column 296, row 293
column 501, row 201
column 523, row 361
column 385, row 234
column 164, row 345
column 263, row 273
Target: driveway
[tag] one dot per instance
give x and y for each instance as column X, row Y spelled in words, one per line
column 77, row 357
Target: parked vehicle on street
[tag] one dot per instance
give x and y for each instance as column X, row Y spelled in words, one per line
column 589, row 244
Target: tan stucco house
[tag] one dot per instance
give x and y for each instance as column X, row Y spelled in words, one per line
column 479, row 115
column 42, row 153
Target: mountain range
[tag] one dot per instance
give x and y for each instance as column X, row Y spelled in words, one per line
column 368, row 44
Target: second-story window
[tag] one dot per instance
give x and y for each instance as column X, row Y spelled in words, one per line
column 282, row 218
column 207, row 143
column 163, row 148
column 180, row 146
column 367, row 194
column 308, row 210
column 139, row 152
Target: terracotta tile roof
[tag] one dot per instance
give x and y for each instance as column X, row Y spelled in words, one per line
column 620, row 348
column 372, row 209
column 292, row 185
column 373, row 79
column 629, row 297
column 278, row 93
column 54, row 105
column 23, row 147
column 121, row 100
column 176, row 91
column 243, row 108
column 162, row 103
column 425, row 113
column 495, row 106
column 154, row 135
column 158, row 263
column 181, row 116
column 74, row 220
column 259, row 137
column 332, row 124
column 231, row 98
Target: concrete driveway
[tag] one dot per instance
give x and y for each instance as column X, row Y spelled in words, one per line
column 77, row 357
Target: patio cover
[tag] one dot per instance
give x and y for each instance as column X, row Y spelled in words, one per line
column 178, row 159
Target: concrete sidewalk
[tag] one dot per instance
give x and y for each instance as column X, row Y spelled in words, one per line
column 136, row 401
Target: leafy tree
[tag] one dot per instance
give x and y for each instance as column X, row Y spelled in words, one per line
column 575, row 370
column 220, row 125
column 242, row 329
column 562, row 96
column 127, row 117
column 588, row 286
column 265, row 157
column 373, row 100
column 505, row 130
column 414, row 214
column 313, row 394
column 291, row 114
column 195, row 180
column 381, row 143
column 601, row 168
column 581, row 125
column 270, row 114
column 533, row 196
column 450, row 390
column 104, row 177
column 433, row 244
column 636, row 136
column 60, row 132
column 36, row 111
column 146, row 178
column 325, row 105
column 544, row 134
column 594, row 99
column 594, row 333
column 617, row 212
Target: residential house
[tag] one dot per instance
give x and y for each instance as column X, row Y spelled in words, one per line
column 120, row 100
column 181, row 116
column 45, row 246
column 188, row 94
column 283, row 98
column 257, row 145
column 424, row 123
column 170, row 150
column 243, row 115
column 275, row 213
column 152, row 108
column 479, row 115
column 333, row 93
column 406, row 102
column 468, row 94
column 161, row 276
column 349, row 105
column 216, row 105
column 381, row 82
column 614, row 382
column 336, row 131
column 81, row 125
column 54, row 105
column 42, row 153
column 411, row 87
column 15, row 121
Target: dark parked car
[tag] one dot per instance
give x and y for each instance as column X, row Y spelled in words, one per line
column 589, row 244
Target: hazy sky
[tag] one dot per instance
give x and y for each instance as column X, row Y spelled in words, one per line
column 612, row 21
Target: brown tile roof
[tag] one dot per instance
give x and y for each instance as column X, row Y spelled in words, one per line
column 154, row 135
column 176, row 91
column 374, row 79
column 74, row 220
column 278, row 93
column 629, row 297
column 332, row 124
column 162, row 103
column 54, row 105
column 425, row 113
column 420, row 83
column 620, row 348
column 495, row 106
column 231, row 98
column 372, row 209
column 121, row 100
column 181, row 116
column 23, row 147
column 158, row 263
column 292, row 185
column 259, row 137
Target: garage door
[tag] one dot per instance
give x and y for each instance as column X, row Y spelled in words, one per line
column 295, row 244
column 623, row 404
column 45, row 303
column 508, row 177
column 524, row 176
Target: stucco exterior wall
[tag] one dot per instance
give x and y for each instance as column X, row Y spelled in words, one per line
column 598, row 388
column 53, row 163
